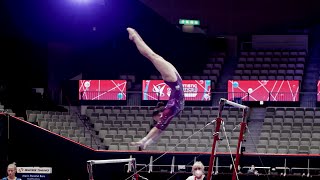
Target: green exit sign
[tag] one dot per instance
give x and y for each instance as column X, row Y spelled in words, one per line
column 189, row 22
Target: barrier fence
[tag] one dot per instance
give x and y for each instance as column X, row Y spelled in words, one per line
column 68, row 159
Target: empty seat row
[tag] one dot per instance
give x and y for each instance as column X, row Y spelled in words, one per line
column 275, row 126
column 294, row 115
column 216, row 60
column 293, row 112
column 289, row 141
column 132, row 114
column 46, row 124
column 213, row 66
column 53, row 116
column 195, row 119
column 48, row 117
column 175, row 123
column 131, row 78
column 292, row 53
column 46, row 112
column 290, row 125
column 208, row 74
column 109, row 124
column 208, row 71
column 163, row 147
column 181, row 147
column 165, row 139
column 273, row 149
column 212, row 75
column 70, row 132
column 73, row 119
column 52, row 127
column 292, row 119
column 270, row 67
column 184, row 136
column 174, row 147
column 202, row 77
column 245, row 77
column 110, row 132
column 293, row 108
column 150, row 108
column 262, row 60
column 269, row 72
column 286, row 133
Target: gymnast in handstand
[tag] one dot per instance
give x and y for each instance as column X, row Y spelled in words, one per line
column 162, row 114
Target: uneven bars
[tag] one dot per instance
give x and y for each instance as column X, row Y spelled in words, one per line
column 234, row 104
column 111, row 161
column 218, row 123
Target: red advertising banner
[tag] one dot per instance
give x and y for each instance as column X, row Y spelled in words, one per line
column 195, row 90
column 263, row 90
column 102, row 89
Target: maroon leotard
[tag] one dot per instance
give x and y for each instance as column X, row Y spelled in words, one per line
column 174, row 105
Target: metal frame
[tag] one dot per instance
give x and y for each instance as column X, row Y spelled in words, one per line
column 131, row 163
column 219, row 120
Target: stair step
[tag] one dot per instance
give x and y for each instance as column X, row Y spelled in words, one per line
column 310, row 80
column 313, row 68
column 254, row 126
column 313, row 79
column 227, row 73
column 311, row 74
column 310, row 89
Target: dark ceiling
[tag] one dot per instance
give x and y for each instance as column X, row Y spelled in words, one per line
column 239, row 16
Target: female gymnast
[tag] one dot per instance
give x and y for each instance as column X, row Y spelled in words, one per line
column 11, row 171
column 162, row 114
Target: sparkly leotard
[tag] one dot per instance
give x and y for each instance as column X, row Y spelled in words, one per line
column 174, row 105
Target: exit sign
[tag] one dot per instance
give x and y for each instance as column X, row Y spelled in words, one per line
column 189, row 22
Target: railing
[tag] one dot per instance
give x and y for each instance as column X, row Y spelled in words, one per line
column 88, row 130
column 137, row 98
column 26, row 134
column 225, row 170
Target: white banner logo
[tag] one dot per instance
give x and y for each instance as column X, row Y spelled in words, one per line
column 190, row 90
column 35, row 170
column 159, row 89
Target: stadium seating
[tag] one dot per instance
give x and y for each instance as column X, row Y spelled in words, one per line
column 117, row 126
column 131, row 79
column 271, row 65
column 290, row 131
column 214, row 67
column 62, row 123
column 211, row 71
column 284, row 130
column 6, row 110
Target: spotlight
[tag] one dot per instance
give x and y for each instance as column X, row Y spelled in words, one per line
column 98, row 2
column 81, row 1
